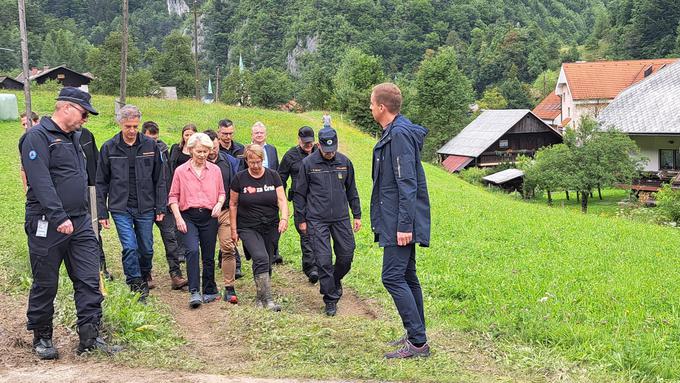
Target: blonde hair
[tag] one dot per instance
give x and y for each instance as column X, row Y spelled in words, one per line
column 254, row 149
column 200, row 139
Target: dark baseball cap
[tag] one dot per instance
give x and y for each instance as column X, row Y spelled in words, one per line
column 328, row 139
column 306, row 134
column 77, row 96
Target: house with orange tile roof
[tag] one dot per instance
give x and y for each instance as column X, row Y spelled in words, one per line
column 586, row 88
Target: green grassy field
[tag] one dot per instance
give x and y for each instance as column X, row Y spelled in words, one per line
column 554, row 293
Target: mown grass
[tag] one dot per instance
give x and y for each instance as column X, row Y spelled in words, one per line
column 555, row 292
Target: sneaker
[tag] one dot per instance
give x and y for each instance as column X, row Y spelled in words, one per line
column 207, row 298
column 195, row 299
column 230, row 295
column 331, row 309
column 408, row 350
column 238, row 274
column 313, row 277
column 398, row 342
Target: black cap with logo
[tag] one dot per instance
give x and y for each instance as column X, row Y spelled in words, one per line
column 328, row 139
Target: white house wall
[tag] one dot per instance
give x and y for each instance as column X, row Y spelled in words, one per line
column 650, row 145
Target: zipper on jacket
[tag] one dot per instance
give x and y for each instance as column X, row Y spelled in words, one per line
column 398, row 167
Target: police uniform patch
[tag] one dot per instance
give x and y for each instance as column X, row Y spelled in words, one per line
column 32, row 155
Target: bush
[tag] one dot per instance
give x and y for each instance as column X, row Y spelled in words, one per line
column 473, row 175
column 668, row 202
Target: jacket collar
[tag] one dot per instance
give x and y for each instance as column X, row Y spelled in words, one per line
column 303, row 153
column 52, row 126
column 317, row 158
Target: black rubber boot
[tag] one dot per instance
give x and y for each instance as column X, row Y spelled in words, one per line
column 263, row 283
column 91, row 341
column 42, row 343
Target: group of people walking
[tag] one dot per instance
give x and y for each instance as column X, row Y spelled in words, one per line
column 207, row 190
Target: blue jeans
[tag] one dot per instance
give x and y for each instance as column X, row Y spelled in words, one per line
column 201, row 236
column 135, row 232
column 400, row 279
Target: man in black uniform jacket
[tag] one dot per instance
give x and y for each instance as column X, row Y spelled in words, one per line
column 289, row 168
column 325, row 187
column 58, row 224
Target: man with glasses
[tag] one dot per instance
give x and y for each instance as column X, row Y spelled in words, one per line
column 130, row 185
column 289, row 168
column 225, row 133
column 58, row 223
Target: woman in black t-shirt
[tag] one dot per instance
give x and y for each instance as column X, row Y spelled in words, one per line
column 256, row 201
column 179, row 153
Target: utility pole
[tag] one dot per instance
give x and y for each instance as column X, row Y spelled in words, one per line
column 24, row 61
column 123, row 56
column 196, row 82
column 217, row 85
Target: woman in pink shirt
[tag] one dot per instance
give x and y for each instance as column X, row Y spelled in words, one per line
column 196, row 198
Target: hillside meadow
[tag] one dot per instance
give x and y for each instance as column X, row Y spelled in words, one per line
column 544, row 293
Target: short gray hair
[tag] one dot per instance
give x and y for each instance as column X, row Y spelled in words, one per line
column 258, row 124
column 128, row 112
column 199, row 138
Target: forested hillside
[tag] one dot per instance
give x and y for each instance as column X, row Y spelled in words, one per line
column 327, row 53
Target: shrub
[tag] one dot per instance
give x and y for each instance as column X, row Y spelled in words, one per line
column 473, row 175
column 668, row 202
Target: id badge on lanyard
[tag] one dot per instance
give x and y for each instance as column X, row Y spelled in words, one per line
column 42, row 228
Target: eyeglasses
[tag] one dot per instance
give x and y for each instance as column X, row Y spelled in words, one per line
column 83, row 113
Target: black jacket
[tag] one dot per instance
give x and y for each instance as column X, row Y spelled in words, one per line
column 235, row 151
column 399, row 201
column 91, row 152
column 112, row 177
column 290, row 167
column 324, row 189
column 55, row 171
column 226, row 167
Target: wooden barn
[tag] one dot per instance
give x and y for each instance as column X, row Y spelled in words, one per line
column 495, row 137
column 10, row 83
column 60, row 74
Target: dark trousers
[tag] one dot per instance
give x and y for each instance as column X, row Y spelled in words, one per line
column 308, row 261
column 330, row 276
column 168, row 230
column 201, row 231
column 260, row 243
column 80, row 253
column 400, row 279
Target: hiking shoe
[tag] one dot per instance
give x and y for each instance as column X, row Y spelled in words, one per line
column 149, row 281
column 408, row 350
column 230, row 295
column 313, row 277
column 207, row 298
column 177, row 282
column 331, row 309
column 195, row 299
column 238, row 274
column 91, row 340
column 42, row 344
column 398, row 342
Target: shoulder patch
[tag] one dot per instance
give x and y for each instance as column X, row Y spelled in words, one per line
column 32, row 154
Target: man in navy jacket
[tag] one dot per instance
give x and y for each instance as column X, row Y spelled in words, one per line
column 400, row 214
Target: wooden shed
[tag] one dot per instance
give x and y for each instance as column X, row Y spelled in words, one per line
column 10, row 83
column 495, row 137
column 60, row 74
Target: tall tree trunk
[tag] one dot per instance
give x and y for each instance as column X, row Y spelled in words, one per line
column 196, row 80
column 599, row 192
column 567, row 193
column 584, row 202
column 578, row 196
column 549, row 198
column 124, row 55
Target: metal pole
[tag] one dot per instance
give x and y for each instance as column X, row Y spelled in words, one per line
column 196, row 83
column 24, row 61
column 124, row 55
